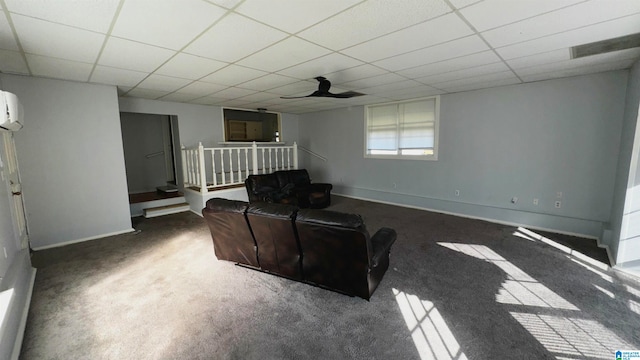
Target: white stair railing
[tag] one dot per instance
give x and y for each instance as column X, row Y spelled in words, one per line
column 211, row 168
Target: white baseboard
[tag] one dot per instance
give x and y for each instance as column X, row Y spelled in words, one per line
column 83, row 239
column 17, row 345
column 495, row 221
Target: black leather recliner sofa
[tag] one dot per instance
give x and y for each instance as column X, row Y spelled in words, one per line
column 324, row 248
column 292, row 187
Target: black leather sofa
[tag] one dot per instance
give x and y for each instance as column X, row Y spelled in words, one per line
column 325, row 248
column 292, row 187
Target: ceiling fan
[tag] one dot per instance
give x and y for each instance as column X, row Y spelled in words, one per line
column 323, row 91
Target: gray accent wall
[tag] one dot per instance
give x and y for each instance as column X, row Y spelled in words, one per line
column 71, row 160
column 625, row 218
column 528, row 141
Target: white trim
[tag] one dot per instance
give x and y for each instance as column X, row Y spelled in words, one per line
column 84, row 239
column 472, row 217
column 197, row 213
column 17, row 345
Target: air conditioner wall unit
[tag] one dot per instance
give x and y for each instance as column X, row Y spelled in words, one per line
column 11, row 111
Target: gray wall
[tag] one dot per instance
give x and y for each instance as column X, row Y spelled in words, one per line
column 15, row 270
column 529, row 141
column 71, row 160
column 625, row 218
column 142, row 135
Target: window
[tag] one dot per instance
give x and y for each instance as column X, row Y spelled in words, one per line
column 244, row 125
column 404, row 130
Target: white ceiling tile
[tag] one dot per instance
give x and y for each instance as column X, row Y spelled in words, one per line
column 298, row 14
column 484, row 84
column 464, row 73
column 170, row 24
column 90, row 15
column 590, row 13
column 489, row 14
column 12, row 62
column 7, row 40
column 459, row 63
column 126, row 54
column 467, row 83
column 190, row 66
column 229, row 4
column 233, row 75
column 122, row 90
column 603, row 31
column 459, row 4
column 233, row 38
column 374, row 81
column 371, row 19
column 48, row 39
column 380, row 90
column 432, row 32
column 413, row 93
column 146, row 93
column 616, row 56
column 540, row 59
column 58, row 68
column 208, row 100
column 179, row 97
column 235, row 103
column 202, row 88
column 267, row 82
column 259, row 97
column 453, row 49
column 286, row 53
column 355, row 73
column 113, row 76
column 163, row 83
column 299, row 88
column 582, row 70
column 234, row 93
column 321, row 66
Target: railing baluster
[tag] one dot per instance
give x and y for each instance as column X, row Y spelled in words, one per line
column 239, row 166
column 282, row 158
column 270, row 166
column 264, row 167
column 224, row 181
column 213, row 167
column 230, row 166
column 246, row 161
column 288, row 159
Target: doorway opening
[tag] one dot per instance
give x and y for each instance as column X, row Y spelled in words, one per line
column 150, row 156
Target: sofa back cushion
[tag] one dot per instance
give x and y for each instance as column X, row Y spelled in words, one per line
column 232, row 238
column 335, row 250
column 273, row 229
column 299, row 178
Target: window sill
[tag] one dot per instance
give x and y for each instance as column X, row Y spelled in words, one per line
column 403, row 157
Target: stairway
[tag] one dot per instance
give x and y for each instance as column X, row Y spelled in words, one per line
column 157, row 203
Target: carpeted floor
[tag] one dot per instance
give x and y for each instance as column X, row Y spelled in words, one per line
column 456, row 289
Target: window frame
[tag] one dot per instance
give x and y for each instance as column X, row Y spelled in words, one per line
column 436, row 125
column 241, row 142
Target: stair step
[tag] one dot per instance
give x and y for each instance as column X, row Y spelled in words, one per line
column 165, row 210
column 167, row 189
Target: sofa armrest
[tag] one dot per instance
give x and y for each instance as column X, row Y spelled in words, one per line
column 320, row 187
column 381, row 244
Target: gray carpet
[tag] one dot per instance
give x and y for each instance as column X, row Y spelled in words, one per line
column 456, row 289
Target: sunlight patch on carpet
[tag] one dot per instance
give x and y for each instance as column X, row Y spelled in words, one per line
column 430, row 333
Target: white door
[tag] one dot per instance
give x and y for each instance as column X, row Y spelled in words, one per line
column 12, row 177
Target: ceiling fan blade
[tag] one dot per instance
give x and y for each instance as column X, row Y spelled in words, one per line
column 345, row 95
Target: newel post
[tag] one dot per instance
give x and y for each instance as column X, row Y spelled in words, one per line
column 203, row 170
column 295, row 155
column 254, row 157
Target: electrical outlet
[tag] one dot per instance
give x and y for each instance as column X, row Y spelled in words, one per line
column 457, row 192
column 535, row 201
column 558, row 204
column 514, row 200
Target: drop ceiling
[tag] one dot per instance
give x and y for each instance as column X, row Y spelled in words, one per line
column 247, row 54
